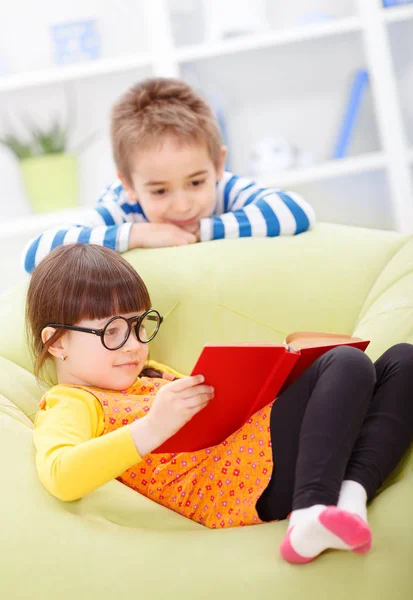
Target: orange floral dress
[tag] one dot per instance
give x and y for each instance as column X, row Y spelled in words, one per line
column 216, row 487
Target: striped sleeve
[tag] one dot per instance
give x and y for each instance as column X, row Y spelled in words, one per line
column 244, row 209
column 108, row 224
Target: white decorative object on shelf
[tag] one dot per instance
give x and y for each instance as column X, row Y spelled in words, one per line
column 224, row 20
column 275, row 154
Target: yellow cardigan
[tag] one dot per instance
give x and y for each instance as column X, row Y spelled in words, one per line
column 73, row 458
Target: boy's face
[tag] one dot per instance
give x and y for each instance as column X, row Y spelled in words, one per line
column 175, row 183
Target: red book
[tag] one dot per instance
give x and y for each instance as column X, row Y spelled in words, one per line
column 247, row 377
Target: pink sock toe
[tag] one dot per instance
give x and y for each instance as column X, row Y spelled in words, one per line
column 363, row 549
column 350, row 528
column 289, row 554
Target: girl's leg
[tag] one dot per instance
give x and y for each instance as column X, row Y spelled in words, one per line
column 314, row 426
column 387, row 430
column 384, row 436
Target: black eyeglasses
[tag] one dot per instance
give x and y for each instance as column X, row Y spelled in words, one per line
column 117, row 330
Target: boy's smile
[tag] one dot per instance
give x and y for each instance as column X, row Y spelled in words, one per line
column 184, row 224
column 175, row 183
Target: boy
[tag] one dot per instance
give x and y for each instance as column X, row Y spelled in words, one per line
column 172, row 187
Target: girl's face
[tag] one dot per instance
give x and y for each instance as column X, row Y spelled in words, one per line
column 88, row 362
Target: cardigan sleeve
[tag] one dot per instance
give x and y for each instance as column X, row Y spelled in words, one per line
column 73, row 458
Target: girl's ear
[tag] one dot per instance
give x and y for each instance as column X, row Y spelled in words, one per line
column 57, row 348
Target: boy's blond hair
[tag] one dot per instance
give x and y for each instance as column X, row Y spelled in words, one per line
column 157, row 107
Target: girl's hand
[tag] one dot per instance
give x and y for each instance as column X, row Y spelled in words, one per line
column 175, row 404
column 159, row 235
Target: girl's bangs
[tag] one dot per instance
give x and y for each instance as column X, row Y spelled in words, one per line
column 104, row 297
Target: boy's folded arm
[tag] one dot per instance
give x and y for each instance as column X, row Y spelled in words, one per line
column 108, row 224
column 266, row 213
column 115, row 237
column 73, row 458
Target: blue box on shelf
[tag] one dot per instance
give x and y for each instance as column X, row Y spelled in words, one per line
column 75, row 42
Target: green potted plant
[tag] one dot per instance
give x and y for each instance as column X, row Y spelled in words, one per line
column 49, row 169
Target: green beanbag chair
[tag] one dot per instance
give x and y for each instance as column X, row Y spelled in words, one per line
column 115, row 543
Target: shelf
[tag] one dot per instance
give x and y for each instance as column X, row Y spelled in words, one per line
column 397, row 14
column 271, row 39
column 33, row 224
column 328, row 170
column 104, row 66
column 56, row 75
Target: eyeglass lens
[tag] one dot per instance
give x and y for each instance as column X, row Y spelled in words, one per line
column 116, row 333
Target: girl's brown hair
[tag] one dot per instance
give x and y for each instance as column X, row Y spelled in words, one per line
column 80, row 281
column 157, row 107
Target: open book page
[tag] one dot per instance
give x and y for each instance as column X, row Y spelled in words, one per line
column 312, row 339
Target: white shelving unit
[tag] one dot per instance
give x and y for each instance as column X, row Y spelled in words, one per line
column 269, row 40
column 398, row 14
column 345, row 167
column 57, row 75
column 362, row 34
column 178, row 56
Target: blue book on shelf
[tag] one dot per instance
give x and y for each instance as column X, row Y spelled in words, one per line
column 358, row 87
column 388, row 3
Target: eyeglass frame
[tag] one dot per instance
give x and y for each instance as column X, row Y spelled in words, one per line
column 101, row 332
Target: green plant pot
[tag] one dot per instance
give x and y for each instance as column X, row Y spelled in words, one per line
column 51, row 181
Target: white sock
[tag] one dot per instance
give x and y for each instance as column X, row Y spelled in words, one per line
column 317, row 528
column 309, row 537
column 353, row 498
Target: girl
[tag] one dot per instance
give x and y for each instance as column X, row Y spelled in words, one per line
column 333, row 435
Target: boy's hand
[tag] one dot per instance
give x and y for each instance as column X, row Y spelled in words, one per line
column 159, row 235
column 175, row 404
column 194, row 228
column 197, row 233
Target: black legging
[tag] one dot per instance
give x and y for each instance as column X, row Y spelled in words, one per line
column 344, row 418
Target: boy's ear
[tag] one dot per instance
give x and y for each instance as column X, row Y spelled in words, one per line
column 221, row 162
column 58, row 346
column 126, row 186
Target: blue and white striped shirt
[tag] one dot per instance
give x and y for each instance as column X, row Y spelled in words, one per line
column 242, row 209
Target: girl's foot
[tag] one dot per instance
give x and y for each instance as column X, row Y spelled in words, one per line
column 317, row 528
